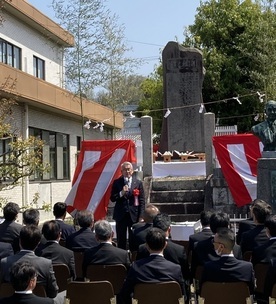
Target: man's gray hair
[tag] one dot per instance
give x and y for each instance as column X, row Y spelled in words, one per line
column 103, row 230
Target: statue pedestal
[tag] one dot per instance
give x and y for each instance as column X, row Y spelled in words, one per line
column 266, row 178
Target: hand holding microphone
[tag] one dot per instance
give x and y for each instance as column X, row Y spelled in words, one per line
column 126, row 186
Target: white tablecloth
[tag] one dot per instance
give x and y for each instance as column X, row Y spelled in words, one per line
column 189, row 168
column 179, row 231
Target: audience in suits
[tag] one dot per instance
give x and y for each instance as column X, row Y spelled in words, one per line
column 227, row 268
column 205, row 233
column 154, row 268
column 9, row 229
column 52, row 250
column 23, row 278
column 256, row 236
column 83, row 238
column 104, row 253
column 204, row 250
column 246, row 225
column 59, row 211
column 29, row 239
column 5, row 250
column 140, row 229
column 128, row 194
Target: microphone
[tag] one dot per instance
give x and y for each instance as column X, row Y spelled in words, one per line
column 126, row 180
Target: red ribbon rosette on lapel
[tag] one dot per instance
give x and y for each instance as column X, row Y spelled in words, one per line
column 136, row 193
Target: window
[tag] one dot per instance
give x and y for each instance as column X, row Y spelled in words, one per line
column 10, row 54
column 55, row 152
column 4, row 158
column 39, row 68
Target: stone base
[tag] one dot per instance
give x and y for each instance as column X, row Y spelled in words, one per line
column 266, row 179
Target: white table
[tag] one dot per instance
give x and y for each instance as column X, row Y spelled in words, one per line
column 179, row 232
column 189, row 168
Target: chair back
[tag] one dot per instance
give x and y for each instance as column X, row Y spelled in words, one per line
column 226, row 293
column 87, row 292
column 161, row 293
column 6, row 290
column 260, row 270
column 78, row 256
column 115, row 274
column 247, row 256
column 62, row 274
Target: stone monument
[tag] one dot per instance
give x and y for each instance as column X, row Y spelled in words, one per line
column 183, row 129
column 266, row 168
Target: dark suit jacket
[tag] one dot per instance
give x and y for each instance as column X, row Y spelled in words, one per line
column 5, row 250
column 46, row 276
column 253, row 238
column 58, row 255
column 200, row 236
column 152, row 269
column 173, row 252
column 126, row 203
column 229, row 269
column 9, row 233
column 83, row 238
column 66, row 229
column 204, row 252
column 264, row 253
column 26, row 299
column 105, row 254
column 140, row 231
column 244, row 226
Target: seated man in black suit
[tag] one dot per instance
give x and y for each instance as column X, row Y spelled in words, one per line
column 85, row 237
column 5, row 250
column 172, row 252
column 256, row 236
column 9, row 229
column 23, row 279
column 227, row 268
column 204, row 250
column 246, row 225
column 205, row 233
column 29, row 239
column 52, row 250
column 105, row 253
column 154, row 268
column 59, row 212
column 264, row 253
column 31, row 216
column 140, row 229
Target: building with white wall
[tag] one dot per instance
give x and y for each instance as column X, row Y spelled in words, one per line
column 31, row 71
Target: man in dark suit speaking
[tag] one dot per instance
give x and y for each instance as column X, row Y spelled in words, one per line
column 128, row 193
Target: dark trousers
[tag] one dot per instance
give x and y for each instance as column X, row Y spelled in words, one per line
column 122, row 227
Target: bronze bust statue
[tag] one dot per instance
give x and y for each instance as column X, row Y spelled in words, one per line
column 266, row 130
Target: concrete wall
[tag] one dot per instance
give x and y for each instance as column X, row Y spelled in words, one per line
column 32, row 44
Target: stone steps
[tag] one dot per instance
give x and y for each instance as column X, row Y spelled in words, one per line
column 180, row 197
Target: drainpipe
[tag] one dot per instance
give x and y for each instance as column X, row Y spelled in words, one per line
column 25, row 186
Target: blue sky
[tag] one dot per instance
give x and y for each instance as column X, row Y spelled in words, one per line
column 149, row 24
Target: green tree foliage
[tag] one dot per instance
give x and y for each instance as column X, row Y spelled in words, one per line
column 228, row 32
column 152, row 102
column 21, row 157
